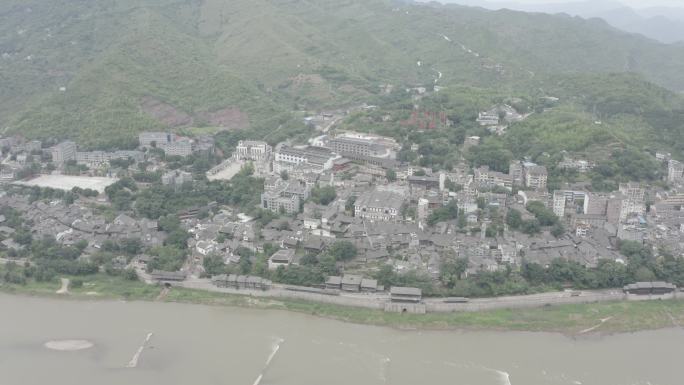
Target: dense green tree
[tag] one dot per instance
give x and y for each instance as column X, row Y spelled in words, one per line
column 342, row 250
column 558, row 230
column 446, row 213
column 385, row 276
column 323, row 195
column 644, row 274
column 130, row 274
column 349, row 204
column 452, row 270
column 514, row 219
column 177, row 238
column 391, row 175
column 131, row 246
column 328, row 265
column 491, row 153
column 167, row 258
column 462, row 221
column 168, row 223
column 545, row 216
column 530, row 227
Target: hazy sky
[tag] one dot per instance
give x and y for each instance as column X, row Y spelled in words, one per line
column 631, row 3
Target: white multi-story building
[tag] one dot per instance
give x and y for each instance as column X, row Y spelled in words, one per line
column 169, row 143
column 276, row 202
column 63, row 152
column 633, row 191
column 536, row 177
column 7, row 175
column 182, row 147
column 92, row 157
column 151, row 139
column 253, row 150
column 359, row 146
column 675, row 171
column 286, row 197
column 315, row 158
column 561, row 199
column 582, row 230
column 632, row 199
column 379, row 205
column 516, row 171
column 488, row 118
column 176, row 178
column 559, row 202
column 595, row 204
column 137, row 156
column 100, row 157
column 631, row 206
column 486, row 177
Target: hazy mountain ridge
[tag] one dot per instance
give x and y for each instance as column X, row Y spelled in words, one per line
column 665, row 24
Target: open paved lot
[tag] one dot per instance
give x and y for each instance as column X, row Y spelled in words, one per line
column 227, row 172
column 67, row 182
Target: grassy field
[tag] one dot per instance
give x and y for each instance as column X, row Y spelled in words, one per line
column 615, row 317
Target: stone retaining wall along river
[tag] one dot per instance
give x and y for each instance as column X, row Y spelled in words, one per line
column 523, row 301
column 378, row 301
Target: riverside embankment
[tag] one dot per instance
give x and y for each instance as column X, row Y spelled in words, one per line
column 570, row 319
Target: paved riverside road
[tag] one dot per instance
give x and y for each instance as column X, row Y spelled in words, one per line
column 377, row 300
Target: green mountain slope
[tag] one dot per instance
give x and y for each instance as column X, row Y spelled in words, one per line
column 130, row 65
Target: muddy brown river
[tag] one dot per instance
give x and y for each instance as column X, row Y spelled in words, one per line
column 58, row 342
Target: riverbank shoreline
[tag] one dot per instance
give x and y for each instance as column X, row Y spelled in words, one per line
column 576, row 320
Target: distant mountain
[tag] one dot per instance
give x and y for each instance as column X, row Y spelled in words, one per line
column 669, row 12
column 660, row 23
column 99, row 71
column 666, row 29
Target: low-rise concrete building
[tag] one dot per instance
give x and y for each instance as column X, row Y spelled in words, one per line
column 333, row 283
column 167, row 276
column 650, row 288
column 369, row 285
column 280, row 258
column 241, row 282
column 351, row 283
column 406, row 294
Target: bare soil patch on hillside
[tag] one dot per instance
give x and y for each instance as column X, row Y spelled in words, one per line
column 166, row 113
column 227, row 118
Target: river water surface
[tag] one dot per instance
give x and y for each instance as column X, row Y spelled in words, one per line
column 192, row 344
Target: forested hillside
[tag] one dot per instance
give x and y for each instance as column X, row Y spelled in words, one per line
column 99, row 71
